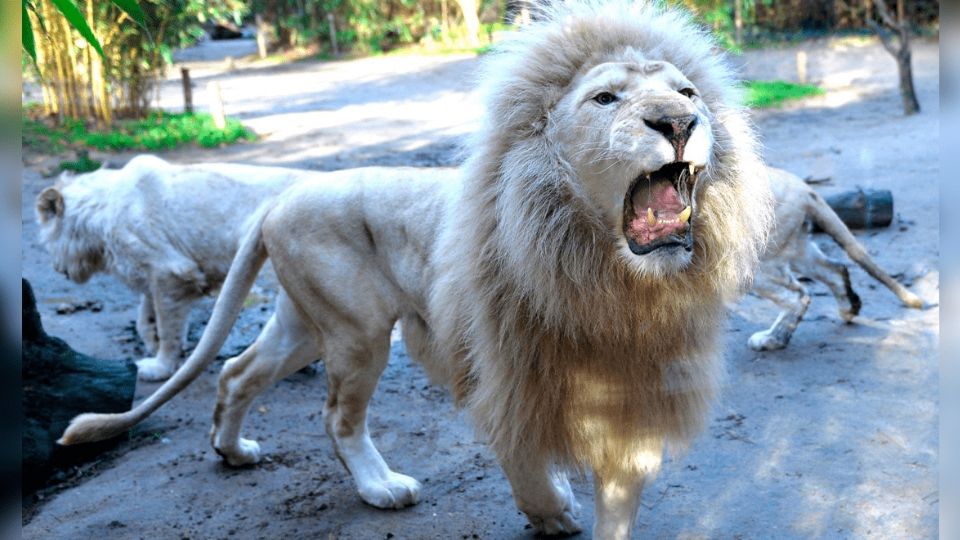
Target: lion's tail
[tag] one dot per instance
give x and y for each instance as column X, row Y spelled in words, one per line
column 830, row 222
column 246, row 265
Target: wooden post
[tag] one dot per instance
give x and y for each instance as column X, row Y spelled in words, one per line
column 216, row 105
column 333, row 35
column 738, row 22
column 187, row 90
column 802, row 67
column 261, row 37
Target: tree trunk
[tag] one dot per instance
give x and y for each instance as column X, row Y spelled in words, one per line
column 907, row 93
column 895, row 36
column 471, row 20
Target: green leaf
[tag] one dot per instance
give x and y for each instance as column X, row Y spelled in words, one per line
column 72, row 13
column 26, row 32
column 132, row 8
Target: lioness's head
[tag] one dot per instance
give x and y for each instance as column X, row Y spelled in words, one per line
column 77, row 251
column 617, row 126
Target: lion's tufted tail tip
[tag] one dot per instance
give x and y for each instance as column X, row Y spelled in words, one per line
column 92, row 427
column 911, row 300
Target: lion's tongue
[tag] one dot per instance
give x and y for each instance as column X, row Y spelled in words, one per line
column 664, row 202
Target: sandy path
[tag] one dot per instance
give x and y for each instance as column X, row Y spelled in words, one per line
column 835, row 437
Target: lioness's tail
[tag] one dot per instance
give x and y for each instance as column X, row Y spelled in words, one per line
column 830, row 222
column 89, row 427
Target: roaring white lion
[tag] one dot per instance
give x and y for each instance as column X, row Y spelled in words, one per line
column 790, row 251
column 569, row 285
column 166, row 231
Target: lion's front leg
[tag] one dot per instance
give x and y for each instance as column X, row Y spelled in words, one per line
column 354, row 364
column 543, row 494
column 617, row 491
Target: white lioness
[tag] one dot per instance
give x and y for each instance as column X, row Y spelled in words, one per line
column 166, row 231
column 790, row 251
column 568, row 286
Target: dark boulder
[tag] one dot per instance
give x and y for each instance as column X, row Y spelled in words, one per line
column 58, row 384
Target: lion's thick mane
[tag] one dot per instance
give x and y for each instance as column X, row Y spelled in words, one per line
column 562, row 348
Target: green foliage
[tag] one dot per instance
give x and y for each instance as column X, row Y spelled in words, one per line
column 83, row 164
column 765, row 94
column 71, row 12
column 26, row 33
column 158, row 131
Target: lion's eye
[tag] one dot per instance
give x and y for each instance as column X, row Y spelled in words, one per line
column 689, row 92
column 605, row 98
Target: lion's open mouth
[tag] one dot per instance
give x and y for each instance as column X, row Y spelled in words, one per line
column 658, row 211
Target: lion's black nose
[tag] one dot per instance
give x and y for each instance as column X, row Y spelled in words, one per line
column 676, row 129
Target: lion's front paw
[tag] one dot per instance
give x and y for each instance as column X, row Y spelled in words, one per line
column 246, row 453
column 765, row 341
column 154, row 369
column 560, row 525
column 564, row 522
column 396, row 491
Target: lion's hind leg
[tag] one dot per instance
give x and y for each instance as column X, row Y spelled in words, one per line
column 147, row 324
column 776, row 282
column 172, row 306
column 354, row 361
column 284, row 346
column 834, row 275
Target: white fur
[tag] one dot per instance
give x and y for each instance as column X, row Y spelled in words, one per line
column 508, row 279
column 791, row 252
column 166, row 231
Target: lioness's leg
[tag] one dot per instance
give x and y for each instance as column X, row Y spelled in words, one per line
column 543, row 494
column 833, row 274
column 147, row 324
column 777, row 283
column 172, row 311
column 354, row 363
column 284, row 346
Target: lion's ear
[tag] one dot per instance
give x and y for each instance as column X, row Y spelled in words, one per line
column 49, row 204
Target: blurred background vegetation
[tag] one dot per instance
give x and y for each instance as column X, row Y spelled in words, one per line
column 99, row 62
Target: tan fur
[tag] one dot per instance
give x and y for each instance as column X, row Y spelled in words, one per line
column 513, row 282
column 790, row 251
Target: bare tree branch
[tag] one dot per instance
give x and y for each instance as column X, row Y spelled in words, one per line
column 885, row 15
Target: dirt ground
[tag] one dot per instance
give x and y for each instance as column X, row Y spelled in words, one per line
column 834, row 437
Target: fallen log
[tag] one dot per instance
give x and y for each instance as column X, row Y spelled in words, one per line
column 862, row 208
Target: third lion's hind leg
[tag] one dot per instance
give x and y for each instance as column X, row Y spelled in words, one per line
column 354, row 362
column 284, row 346
column 833, row 274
